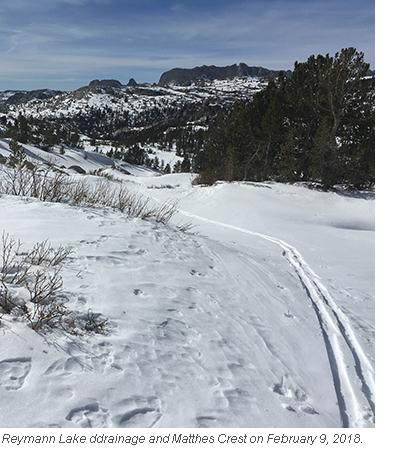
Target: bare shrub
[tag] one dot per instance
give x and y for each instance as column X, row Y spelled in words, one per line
column 44, row 184
column 53, row 186
column 83, row 194
column 42, row 287
column 102, row 173
column 165, row 212
column 20, row 276
column 59, row 255
column 47, row 185
column 39, row 254
column 123, row 200
column 206, row 178
column 11, row 270
column 78, row 192
column 138, row 206
column 94, row 322
column 185, row 227
column 8, row 303
column 49, row 315
column 17, row 182
column 43, row 253
column 9, row 249
column 120, row 199
column 100, row 195
column 163, row 186
column 42, row 308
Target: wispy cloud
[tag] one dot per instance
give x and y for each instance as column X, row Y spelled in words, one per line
column 39, row 5
column 141, row 39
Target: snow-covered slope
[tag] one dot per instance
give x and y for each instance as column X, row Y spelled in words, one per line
column 134, row 106
column 261, row 316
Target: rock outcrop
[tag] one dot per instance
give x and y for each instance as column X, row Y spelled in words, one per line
column 132, row 83
column 181, row 75
column 21, row 97
column 111, row 83
column 105, row 83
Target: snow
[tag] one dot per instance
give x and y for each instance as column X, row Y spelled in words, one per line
column 135, row 100
column 261, row 316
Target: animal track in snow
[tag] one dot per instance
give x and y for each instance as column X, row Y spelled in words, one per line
column 219, row 400
column 196, row 273
column 99, row 359
column 205, row 422
column 103, row 359
column 91, row 415
column 241, row 400
column 296, row 398
column 72, row 365
column 13, row 372
column 289, row 389
column 139, row 412
column 307, row 409
column 196, row 307
column 178, row 331
column 63, row 393
column 137, row 251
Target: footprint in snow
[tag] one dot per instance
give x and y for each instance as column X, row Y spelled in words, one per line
column 140, row 412
column 206, row 422
column 72, row 365
column 13, row 372
column 193, row 272
column 89, row 416
column 288, row 388
column 103, row 358
column 296, row 397
column 308, row 409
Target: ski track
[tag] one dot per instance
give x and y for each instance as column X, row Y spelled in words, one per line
column 341, row 343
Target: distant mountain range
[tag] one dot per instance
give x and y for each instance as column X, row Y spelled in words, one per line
column 107, row 108
column 181, row 75
column 185, row 75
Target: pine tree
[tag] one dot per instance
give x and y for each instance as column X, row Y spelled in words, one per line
column 324, row 166
column 269, row 137
column 17, row 155
column 186, row 164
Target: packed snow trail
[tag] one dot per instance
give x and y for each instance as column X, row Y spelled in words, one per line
column 341, row 344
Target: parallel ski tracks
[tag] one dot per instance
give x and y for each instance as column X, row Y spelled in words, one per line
column 355, row 393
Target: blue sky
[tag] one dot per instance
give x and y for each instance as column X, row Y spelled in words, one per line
column 64, row 44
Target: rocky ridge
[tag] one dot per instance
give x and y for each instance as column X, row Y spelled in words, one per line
column 180, row 75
